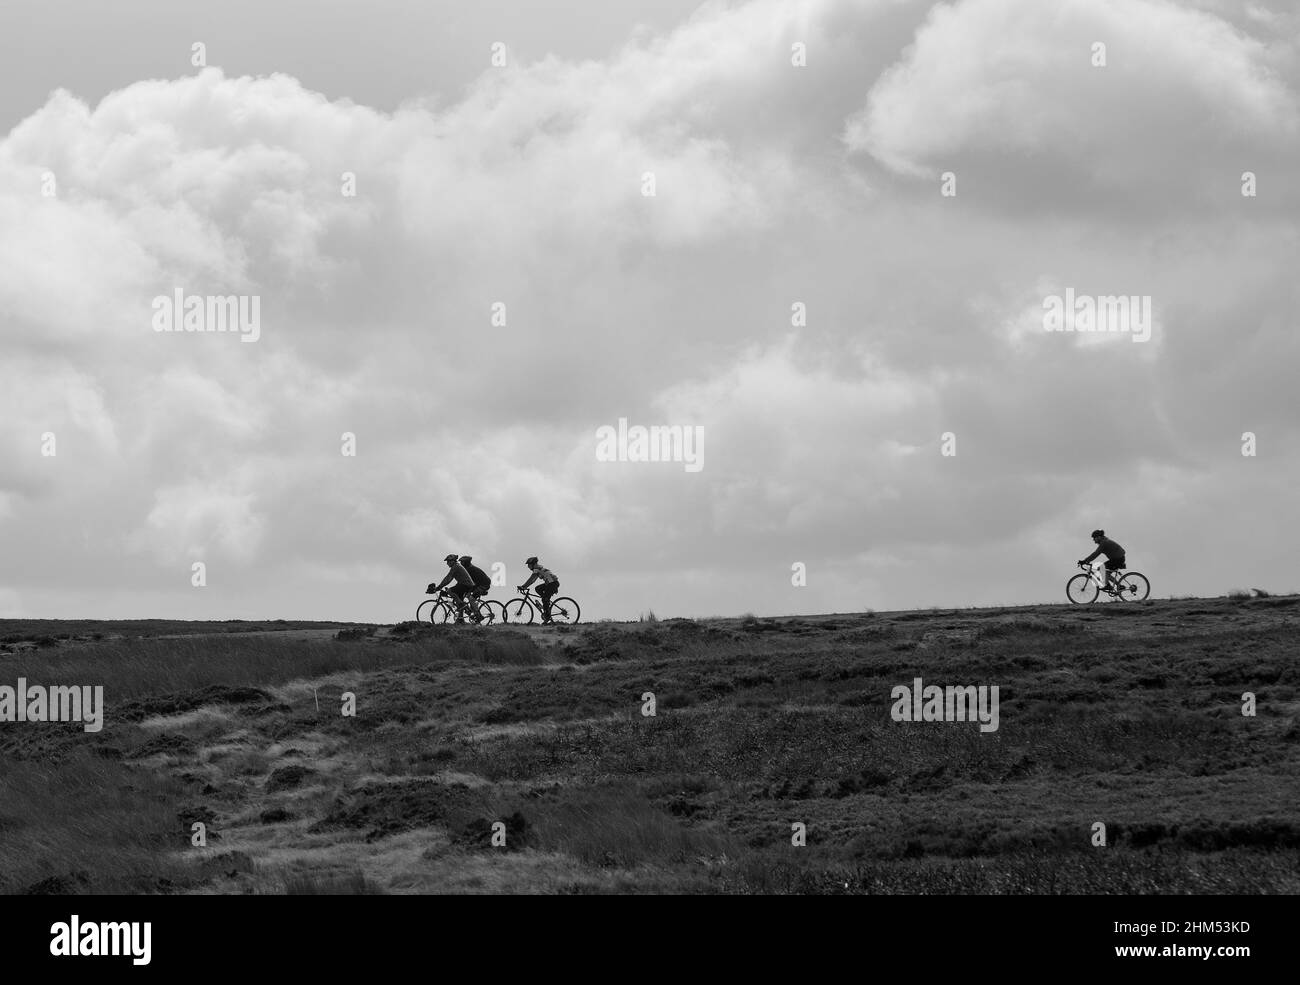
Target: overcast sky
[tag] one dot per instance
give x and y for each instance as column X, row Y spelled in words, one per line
column 524, row 185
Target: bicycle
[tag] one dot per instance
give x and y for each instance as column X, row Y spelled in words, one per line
column 1084, row 588
column 523, row 610
column 443, row 608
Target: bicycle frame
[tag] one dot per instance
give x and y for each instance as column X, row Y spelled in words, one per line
column 536, row 601
column 1119, row 583
column 1100, row 580
column 463, row 607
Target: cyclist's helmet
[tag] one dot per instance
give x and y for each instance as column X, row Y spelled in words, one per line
column 531, row 561
column 1099, row 533
column 465, row 559
column 451, row 559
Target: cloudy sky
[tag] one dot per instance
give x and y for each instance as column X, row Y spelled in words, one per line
column 128, row 173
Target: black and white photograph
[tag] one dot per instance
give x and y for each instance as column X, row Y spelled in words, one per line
column 650, row 448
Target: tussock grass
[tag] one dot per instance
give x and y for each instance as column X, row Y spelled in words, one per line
column 1130, row 716
column 350, row 884
column 619, row 827
column 88, row 825
column 23, row 630
column 1036, row 873
column 130, row 668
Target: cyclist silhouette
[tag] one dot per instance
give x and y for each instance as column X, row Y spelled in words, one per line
column 1115, row 560
column 546, row 590
column 464, row 585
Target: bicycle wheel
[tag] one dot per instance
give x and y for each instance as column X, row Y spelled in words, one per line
column 423, row 614
column 1081, row 589
column 493, row 612
column 1134, row 587
column 519, row 611
column 565, row 611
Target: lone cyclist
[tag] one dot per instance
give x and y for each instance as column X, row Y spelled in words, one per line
column 547, row 589
column 1114, row 557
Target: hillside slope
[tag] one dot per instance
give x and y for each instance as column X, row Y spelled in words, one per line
column 1126, row 715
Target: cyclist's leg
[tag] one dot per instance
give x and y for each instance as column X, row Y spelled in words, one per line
column 1113, row 569
column 547, row 592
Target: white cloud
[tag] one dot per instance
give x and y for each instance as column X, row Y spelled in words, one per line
column 1014, row 80
column 197, row 522
column 821, row 441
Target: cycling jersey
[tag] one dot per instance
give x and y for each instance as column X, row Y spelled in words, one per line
column 545, row 574
column 480, row 577
column 458, row 572
column 1108, row 547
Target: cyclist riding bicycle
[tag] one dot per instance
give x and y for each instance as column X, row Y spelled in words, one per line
column 546, row 590
column 482, row 580
column 464, row 585
column 1114, row 557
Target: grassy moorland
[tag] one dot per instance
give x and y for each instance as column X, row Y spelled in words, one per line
column 1128, row 715
column 20, row 634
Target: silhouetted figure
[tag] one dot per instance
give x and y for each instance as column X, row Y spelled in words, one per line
column 482, row 580
column 464, row 585
column 546, row 590
column 1114, row 557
